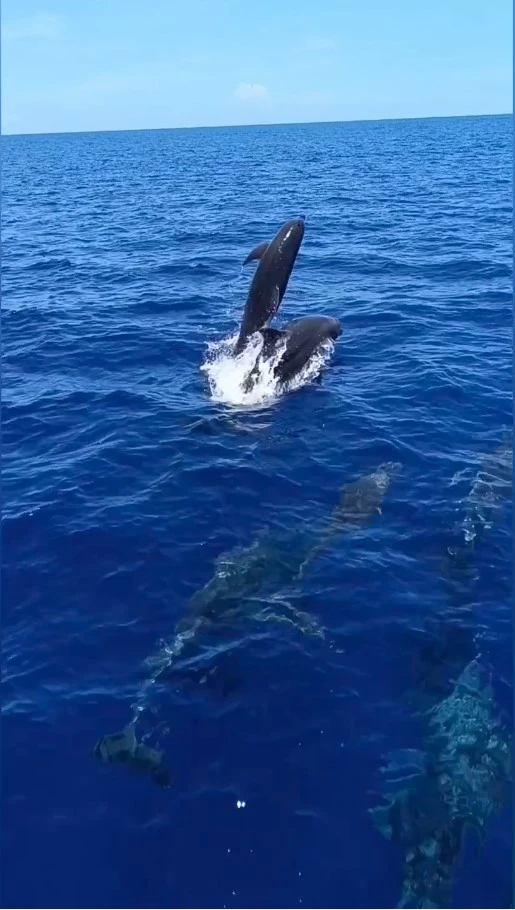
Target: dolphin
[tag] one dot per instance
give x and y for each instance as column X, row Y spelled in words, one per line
column 360, row 501
column 242, row 588
column 301, row 338
column 490, row 490
column 276, row 261
column 237, row 591
column 460, row 779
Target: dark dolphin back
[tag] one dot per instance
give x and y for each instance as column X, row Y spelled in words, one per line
column 304, row 335
column 300, row 337
column 271, row 279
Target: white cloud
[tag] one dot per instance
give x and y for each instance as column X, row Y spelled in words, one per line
column 316, row 43
column 251, row 91
column 47, row 27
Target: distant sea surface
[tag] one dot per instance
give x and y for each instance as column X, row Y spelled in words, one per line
column 133, row 464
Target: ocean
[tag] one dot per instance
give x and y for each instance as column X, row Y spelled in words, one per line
column 136, row 472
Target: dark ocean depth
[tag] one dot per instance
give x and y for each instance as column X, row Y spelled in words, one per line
column 156, row 520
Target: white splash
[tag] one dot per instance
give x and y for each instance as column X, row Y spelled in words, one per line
column 226, row 374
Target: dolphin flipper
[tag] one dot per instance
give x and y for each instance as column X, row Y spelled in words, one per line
column 257, row 252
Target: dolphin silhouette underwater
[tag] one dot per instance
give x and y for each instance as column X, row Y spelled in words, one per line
column 299, row 338
column 241, row 589
column 460, row 780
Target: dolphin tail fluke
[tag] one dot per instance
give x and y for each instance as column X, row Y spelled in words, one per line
column 257, row 252
column 123, row 748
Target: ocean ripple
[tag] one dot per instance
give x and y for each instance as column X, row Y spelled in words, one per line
column 132, row 460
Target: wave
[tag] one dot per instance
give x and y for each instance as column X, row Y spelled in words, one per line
column 226, row 374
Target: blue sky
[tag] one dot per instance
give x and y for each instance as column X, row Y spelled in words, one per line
column 120, row 64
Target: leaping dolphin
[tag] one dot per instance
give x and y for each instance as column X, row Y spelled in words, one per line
column 276, row 261
column 300, row 337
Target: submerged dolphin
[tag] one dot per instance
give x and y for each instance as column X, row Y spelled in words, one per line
column 243, row 587
column 490, row 491
column 240, row 588
column 462, row 779
column 462, row 776
column 360, row 500
column 300, row 338
column 276, row 261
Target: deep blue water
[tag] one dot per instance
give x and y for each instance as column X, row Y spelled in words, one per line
column 126, row 474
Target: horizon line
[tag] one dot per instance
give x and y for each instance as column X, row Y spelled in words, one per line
column 230, row 126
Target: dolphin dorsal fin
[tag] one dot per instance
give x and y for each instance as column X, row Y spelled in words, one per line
column 257, row 252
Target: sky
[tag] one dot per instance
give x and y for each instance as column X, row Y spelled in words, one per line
column 77, row 65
